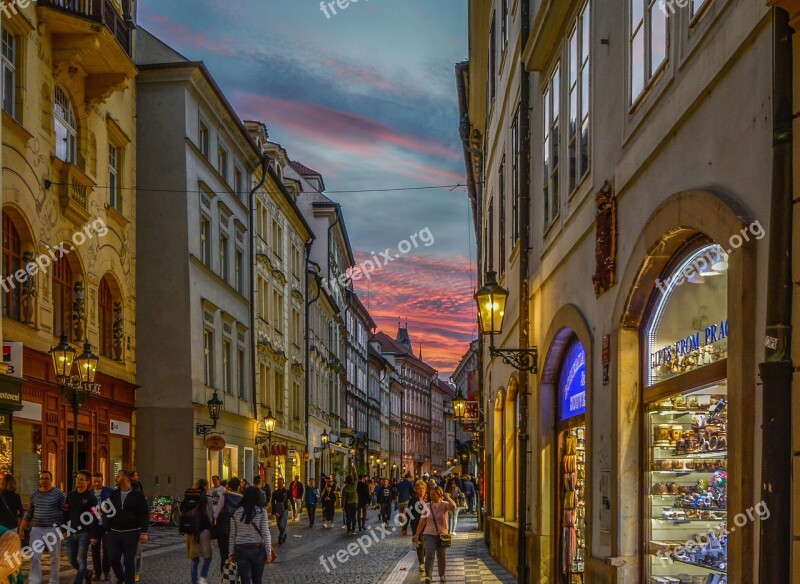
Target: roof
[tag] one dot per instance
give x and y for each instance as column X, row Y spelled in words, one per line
column 445, row 387
column 303, row 170
column 389, row 345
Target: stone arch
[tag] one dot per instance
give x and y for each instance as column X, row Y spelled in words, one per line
column 498, row 451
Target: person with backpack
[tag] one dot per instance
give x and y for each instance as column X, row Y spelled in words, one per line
column 252, row 544
column 312, row 500
column 385, row 497
column 229, row 501
column 281, row 501
column 197, row 516
column 296, row 489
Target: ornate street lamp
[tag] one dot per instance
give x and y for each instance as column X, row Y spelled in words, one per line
column 269, row 428
column 214, row 408
column 491, row 299
column 459, row 406
column 74, row 388
column 324, row 437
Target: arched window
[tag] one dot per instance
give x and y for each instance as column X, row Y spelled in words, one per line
column 510, row 425
column 497, row 453
column 12, row 261
column 62, row 298
column 66, row 127
column 105, row 305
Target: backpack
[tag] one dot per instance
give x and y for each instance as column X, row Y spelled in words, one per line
column 193, row 519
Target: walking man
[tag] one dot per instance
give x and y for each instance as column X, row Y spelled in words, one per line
column 404, row 490
column 469, row 492
column 281, row 501
column 100, row 561
column 223, row 512
column 364, row 499
column 44, row 512
column 79, row 516
column 385, row 500
column 126, row 519
column 312, row 500
column 296, row 489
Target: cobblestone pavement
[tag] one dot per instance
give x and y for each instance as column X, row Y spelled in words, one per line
column 389, row 558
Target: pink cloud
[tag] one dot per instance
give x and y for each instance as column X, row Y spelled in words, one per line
column 181, row 34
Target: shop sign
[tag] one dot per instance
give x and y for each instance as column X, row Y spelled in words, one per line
column 215, row 443
column 5, row 422
column 120, row 428
column 472, row 412
column 11, row 393
column 12, row 357
column 572, row 383
column 690, row 352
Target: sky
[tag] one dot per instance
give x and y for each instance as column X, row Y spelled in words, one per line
column 366, row 96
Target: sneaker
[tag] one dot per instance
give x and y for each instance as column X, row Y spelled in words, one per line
column 202, row 580
column 427, row 580
column 422, row 569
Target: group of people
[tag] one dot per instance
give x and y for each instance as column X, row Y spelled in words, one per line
column 112, row 523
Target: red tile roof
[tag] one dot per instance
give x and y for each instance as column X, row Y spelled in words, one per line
column 303, row 170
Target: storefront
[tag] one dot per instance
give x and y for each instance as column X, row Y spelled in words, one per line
column 685, row 411
column 571, row 459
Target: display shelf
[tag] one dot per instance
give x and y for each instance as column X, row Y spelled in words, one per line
column 702, row 566
column 704, row 455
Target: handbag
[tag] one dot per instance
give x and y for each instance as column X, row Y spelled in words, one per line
column 273, row 555
column 230, row 572
column 443, row 539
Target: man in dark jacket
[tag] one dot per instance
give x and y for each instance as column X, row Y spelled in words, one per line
column 404, row 490
column 364, row 499
column 279, row 505
column 80, row 505
column 385, row 498
column 100, row 561
column 126, row 518
column 228, row 503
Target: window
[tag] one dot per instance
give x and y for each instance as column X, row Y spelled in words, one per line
column 105, row 305
column 296, row 401
column 238, row 182
column 205, row 240
column 242, row 372
column 202, row 138
column 490, row 241
column 12, row 261
column 279, row 389
column 515, row 166
column 277, row 309
column 227, row 384
column 578, row 144
column 647, row 43
column 551, row 143
column 492, row 60
column 9, row 72
column 277, row 238
column 501, row 198
column 696, row 6
column 504, row 24
column 296, row 262
column 223, row 256
column 239, row 271
column 296, row 333
column 114, row 200
column 66, row 127
column 208, row 352
column 222, row 162
column 62, row 298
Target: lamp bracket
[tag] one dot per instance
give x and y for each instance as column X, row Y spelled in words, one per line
column 203, row 429
column 262, row 440
column 520, row 359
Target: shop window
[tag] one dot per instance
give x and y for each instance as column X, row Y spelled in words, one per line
column 105, row 305
column 12, row 261
column 510, row 426
column 497, row 470
column 66, row 127
column 62, row 298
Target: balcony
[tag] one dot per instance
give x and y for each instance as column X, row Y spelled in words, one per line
column 94, row 36
column 74, row 189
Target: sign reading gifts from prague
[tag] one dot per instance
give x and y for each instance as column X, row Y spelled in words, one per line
column 572, row 383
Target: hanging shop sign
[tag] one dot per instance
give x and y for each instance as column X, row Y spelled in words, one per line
column 572, row 383
column 472, row 412
column 12, row 357
column 215, row 443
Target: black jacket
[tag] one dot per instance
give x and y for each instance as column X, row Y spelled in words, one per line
column 364, row 497
column 134, row 514
column 77, row 504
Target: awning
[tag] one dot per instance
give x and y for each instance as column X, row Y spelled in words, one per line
column 447, row 472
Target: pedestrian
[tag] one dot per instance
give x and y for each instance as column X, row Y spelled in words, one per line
column 296, row 489
column 44, row 517
column 328, row 500
column 243, row 486
column 404, row 490
column 100, row 562
column 10, row 503
column 432, row 525
column 263, row 497
column 364, row 500
column 350, row 503
column 469, row 493
column 374, row 487
column 136, row 485
column 385, row 500
column 79, row 505
column 416, row 504
column 229, row 501
column 281, row 501
column 312, row 500
column 126, row 519
column 252, row 545
column 456, row 495
column 198, row 543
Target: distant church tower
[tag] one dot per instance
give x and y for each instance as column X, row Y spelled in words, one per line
column 402, row 336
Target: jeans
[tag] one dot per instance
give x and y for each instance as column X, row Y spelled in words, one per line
column 403, row 506
column 203, row 570
column 312, row 512
column 223, row 540
column 46, row 535
column 350, row 511
column 470, row 503
column 362, row 515
column 78, row 551
column 282, row 519
column 100, row 561
column 452, row 520
column 386, row 512
column 250, row 559
column 434, row 552
column 123, row 545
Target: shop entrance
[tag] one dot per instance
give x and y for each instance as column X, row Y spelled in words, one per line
column 83, row 454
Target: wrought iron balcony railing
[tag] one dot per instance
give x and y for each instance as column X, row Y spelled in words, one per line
column 100, row 11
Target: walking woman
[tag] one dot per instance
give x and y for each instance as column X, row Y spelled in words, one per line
column 252, row 545
column 414, row 511
column 433, row 524
column 198, row 544
column 312, row 498
column 328, row 499
column 10, row 503
column 455, row 494
column 350, row 503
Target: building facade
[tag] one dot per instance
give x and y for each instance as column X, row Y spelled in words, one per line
column 195, row 175
column 69, row 235
column 359, row 404
column 624, row 245
column 467, row 437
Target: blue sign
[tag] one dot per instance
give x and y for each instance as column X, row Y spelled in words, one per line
column 572, row 383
